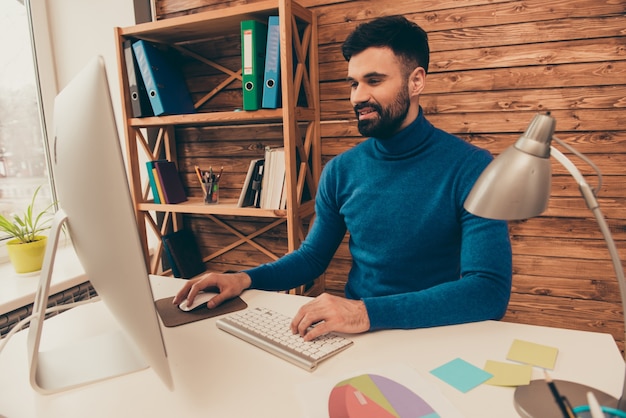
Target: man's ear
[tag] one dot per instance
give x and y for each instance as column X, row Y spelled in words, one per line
column 417, row 81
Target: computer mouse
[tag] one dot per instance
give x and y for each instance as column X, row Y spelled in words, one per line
column 200, row 300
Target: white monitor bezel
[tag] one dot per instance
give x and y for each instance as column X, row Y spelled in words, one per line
column 97, row 210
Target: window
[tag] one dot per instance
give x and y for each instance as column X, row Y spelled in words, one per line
column 23, row 153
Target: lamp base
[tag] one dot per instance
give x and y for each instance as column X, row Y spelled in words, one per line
column 536, row 400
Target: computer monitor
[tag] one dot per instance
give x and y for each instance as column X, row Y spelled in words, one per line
column 96, row 207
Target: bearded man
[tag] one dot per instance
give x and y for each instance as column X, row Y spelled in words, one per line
column 419, row 259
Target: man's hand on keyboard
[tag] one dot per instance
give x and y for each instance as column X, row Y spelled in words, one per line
column 330, row 313
column 229, row 286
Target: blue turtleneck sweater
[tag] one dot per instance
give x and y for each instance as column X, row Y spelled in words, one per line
column 419, row 259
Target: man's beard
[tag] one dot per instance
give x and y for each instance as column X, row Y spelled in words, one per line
column 390, row 119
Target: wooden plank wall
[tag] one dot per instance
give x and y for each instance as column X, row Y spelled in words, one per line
column 494, row 64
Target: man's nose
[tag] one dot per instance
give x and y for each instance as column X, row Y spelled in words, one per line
column 360, row 94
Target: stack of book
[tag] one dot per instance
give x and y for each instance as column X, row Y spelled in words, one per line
column 264, row 186
column 274, row 179
column 165, row 182
column 251, row 190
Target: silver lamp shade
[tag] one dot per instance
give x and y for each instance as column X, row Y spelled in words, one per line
column 516, row 185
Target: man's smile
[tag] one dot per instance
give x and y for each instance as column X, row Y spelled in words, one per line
column 366, row 112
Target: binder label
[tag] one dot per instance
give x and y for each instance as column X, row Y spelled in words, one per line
column 248, row 51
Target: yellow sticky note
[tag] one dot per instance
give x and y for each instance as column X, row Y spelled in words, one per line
column 532, row 353
column 508, row 374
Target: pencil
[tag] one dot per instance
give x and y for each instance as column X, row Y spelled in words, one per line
column 200, row 178
column 560, row 400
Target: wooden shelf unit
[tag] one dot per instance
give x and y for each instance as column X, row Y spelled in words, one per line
column 300, row 120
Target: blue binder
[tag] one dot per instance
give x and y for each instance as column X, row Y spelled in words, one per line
column 164, row 83
column 271, row 77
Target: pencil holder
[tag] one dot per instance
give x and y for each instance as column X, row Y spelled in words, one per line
column 583, row 412
column 212, row 195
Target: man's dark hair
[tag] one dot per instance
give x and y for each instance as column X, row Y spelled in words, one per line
column 406, row 39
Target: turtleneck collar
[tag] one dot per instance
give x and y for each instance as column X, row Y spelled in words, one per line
column 406, row 142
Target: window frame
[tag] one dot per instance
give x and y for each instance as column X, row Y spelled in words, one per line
column 45, row 85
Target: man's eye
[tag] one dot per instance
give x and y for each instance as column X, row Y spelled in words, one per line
column 374, row 81
column 353, row 84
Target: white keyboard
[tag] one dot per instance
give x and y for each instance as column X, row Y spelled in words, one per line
column 270, row 331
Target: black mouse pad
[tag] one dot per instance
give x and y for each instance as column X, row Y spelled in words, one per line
column 172, row 316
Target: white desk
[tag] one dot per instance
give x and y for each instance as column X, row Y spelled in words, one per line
column 218, row 375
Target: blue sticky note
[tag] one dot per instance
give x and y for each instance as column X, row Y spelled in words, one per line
column 461, row 375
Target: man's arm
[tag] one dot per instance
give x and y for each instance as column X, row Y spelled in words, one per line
column 314, row 255
column 481, row 293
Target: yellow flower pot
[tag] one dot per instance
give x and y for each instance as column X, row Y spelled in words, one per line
column 28, row 257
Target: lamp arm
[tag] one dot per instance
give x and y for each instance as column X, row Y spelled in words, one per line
column 593, row 205
column 585, row 159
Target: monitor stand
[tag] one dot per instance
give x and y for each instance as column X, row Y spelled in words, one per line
column 79, row 363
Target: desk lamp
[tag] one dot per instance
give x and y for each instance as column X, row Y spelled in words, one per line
column 516, row 185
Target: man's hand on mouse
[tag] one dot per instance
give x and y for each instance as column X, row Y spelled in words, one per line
column 327, row 313
column 228, row 285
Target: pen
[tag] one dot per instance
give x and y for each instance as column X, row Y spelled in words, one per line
column 210, row 190
column 560, row 400
column 594, row 406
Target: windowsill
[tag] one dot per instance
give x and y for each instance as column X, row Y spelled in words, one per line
column 18, row 290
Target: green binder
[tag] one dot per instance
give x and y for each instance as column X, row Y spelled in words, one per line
column 253, row 44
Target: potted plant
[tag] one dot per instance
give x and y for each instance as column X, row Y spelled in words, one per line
column 27, row 247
